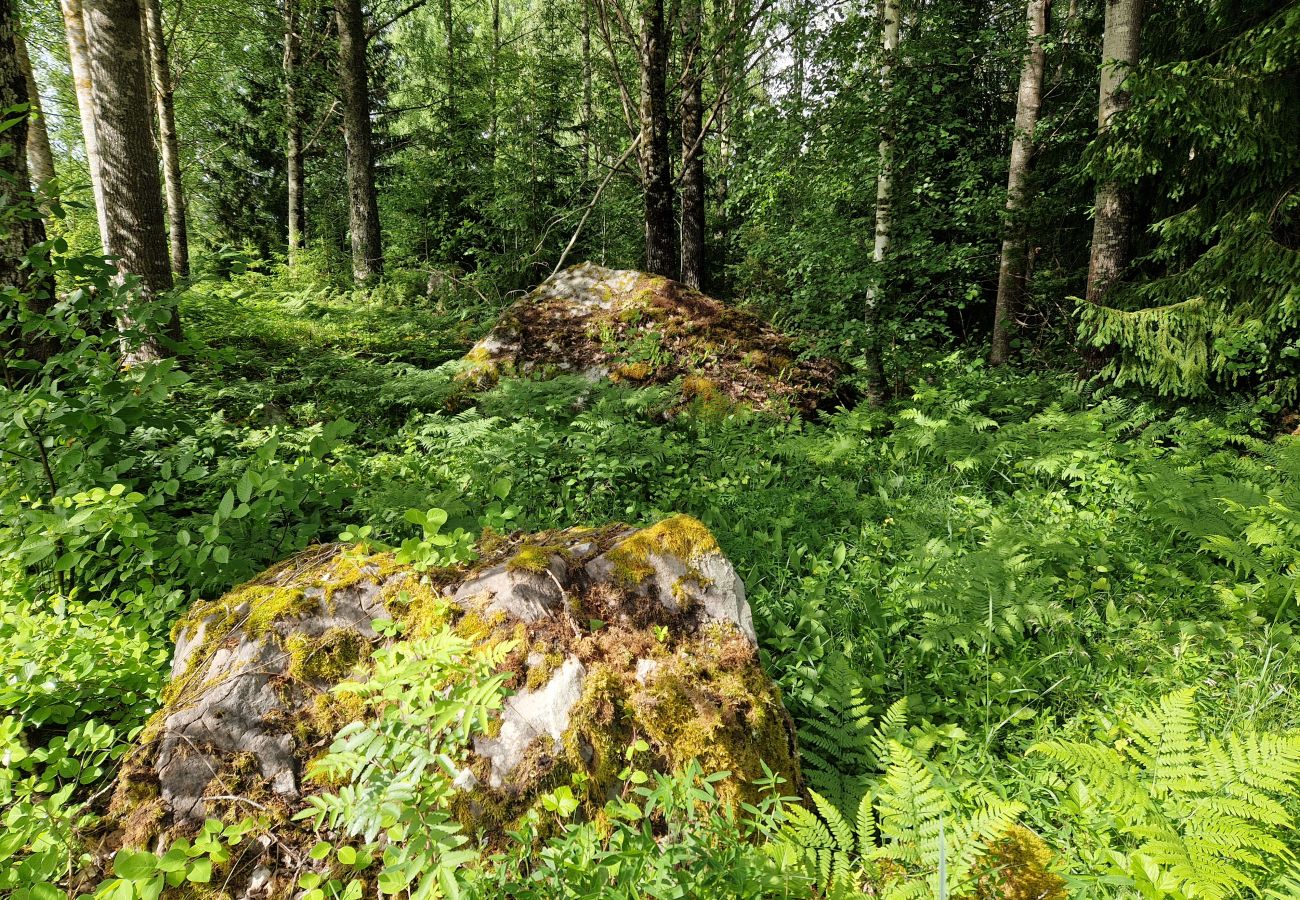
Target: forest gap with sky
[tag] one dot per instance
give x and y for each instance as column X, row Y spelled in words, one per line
column 649, row 448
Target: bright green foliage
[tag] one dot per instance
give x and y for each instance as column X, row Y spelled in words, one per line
column 1215, row 120
column 142, row 875
column 1202, row 815
column 665, row 837
column 916, row 833
column 398, row 766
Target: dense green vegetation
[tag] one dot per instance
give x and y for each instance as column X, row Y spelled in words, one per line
column 1027, row 581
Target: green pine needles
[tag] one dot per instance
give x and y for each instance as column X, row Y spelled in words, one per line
column 1203, row 815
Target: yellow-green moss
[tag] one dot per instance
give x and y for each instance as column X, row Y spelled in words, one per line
column 681, row 537
column 540, row 674
column 329, row 658
column 634, row 371
column 1016, row 868
column 531, row 558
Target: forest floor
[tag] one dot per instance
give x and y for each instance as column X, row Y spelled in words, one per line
column 1019, row 560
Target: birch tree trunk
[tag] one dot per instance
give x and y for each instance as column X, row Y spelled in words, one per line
column 656, row 166
column 1014, row 266
column 1120, row 52
column 40, row 158
column 889, row 13
column 363, row 205
column 136, row 235
column 293, row 149
column 177, row 228
column 74, row 27
column 693, row 212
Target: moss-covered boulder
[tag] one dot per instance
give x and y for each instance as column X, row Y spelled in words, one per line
column 644, row 329
column 620, row 634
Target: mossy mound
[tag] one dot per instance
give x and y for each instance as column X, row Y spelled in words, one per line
column 643, row 329
column 622, row 634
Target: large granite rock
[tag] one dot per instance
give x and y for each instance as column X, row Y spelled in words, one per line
column 619, row 632
column 643, row 329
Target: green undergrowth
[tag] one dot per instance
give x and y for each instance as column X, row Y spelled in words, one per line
column 1025, row 564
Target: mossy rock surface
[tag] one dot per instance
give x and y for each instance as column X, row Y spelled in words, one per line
column 622, row 634
column 643, row 329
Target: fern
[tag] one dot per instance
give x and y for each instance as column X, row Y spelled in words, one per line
column 908, row 819
column 835, row 733
column 1207, row 812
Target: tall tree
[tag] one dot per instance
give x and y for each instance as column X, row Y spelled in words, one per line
column 74, row 27
column 1014, row 266
column 363, row 204
column 889, row 18
column 1120, row 50
column 135, row 233
column 692, row 107
column 293, row 146
column 40, row 157
column 656, row 166
column 168, row 144
column 20, row 227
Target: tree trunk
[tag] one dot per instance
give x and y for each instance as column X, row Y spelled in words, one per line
column 449, row 26
column 363, row 205
column 889, row 13
column 136, row 235
column 586, row 89
column 177, row 230
column 74, row 26
column 40, row 158
column 693, row 213
column 656, row 166
column 1111, row 228
column 1014, row 266
column 21, row 227
column 291, row 62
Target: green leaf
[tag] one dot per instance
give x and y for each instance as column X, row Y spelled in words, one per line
column 134, row 864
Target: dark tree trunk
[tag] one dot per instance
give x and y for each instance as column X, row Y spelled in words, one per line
column 693, row 187
column 1014, row 267
column 133, row 209
column 363, row 205
column 656, row 165
column 586, row 89
column 177, row 228
column 20, row 224
column 293, row 149
column 1111, row 228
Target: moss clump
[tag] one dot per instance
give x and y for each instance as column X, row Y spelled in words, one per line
column 681, row 537
column 1017, row 869
column 531, row 558
column 634, row 371
column 329, row 658
column 540, row 672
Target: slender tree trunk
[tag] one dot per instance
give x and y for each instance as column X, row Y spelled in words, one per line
column 586, row 89
column 40, row 158
column 1111, row 229
column 494, row 86
column 656, row 166
column 449, row 25
column 136, row 235
column 20, row 225
column 291, row 61
column 363, row 205
column 889, row 13
column 177, row 230
column 74, row 26
column 693, row 187
column 1014, row 266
